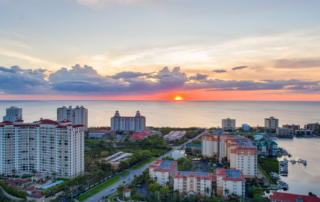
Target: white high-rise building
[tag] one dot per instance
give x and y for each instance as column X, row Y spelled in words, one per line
column 12, row 114
column 45, row 146
column 271, row 123
column 128, row 123
column 78, row 115
column 228, row 124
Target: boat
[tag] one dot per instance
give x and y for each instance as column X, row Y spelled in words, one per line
column 305, row 162
column 293, row 161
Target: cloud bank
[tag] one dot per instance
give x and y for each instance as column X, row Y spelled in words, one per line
column 240, row 67
column 85, row 81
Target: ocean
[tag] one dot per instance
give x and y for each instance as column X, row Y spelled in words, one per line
column 177, row 113
column 301, row 179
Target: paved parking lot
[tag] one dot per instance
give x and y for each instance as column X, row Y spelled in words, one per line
column 200, row 166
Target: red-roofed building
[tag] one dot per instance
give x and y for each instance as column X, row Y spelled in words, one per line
column 193, row 182
column 233, row 180
column 97, row 134
column 161, row 170
column 287, row 197
column 137, row 137
column 234, row 148
column 64, row 137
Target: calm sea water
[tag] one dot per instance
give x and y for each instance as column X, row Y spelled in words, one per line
column 301, row 179
column 177, row 114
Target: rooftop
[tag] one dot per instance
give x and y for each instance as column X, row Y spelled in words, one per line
column 293, row 197
column 165, row 165
column 198, row 174
column 233, row 173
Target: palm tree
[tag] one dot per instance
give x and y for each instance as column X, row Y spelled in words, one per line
column 54, row 174
column 33, row 171
column 14, row 171
column 226, row 191
column 207, row 190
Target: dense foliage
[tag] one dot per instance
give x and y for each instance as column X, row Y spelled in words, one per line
column 13, row 191
column 269, row 165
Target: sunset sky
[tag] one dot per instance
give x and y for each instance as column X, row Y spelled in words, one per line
column 160, row 49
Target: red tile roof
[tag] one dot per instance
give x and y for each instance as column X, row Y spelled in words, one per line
column 292, row 197
column 19, row 120
column 137, row 137
column 127, row 190
column 48, row 121
column 144, row 133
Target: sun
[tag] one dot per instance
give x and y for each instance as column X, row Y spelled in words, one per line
column 178, row 98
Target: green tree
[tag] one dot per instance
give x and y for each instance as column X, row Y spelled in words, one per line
column 164, row 191
column 124, row 164
column 120, row 190
column 226, row 192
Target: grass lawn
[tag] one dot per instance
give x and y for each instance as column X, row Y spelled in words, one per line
column 140, row 165
column 98, row 188
column 125, row 174
column 265, row 174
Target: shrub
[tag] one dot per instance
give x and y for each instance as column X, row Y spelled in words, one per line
column 13, row 191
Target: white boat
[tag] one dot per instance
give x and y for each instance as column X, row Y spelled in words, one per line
column 293, row 161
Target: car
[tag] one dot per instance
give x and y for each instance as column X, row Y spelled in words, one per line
column 138, row 185
column 112, row 188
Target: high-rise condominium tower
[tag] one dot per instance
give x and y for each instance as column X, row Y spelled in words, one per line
column 78, row 115
column 12, row 114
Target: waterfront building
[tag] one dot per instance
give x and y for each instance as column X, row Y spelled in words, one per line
column 77, row 116
column 271, row 123
column 239, row 151
column 174, row 135
column 228, row 124
column 284, row 132
column 245, row 127
column 135, row 123
column 312, row 126
column 193, row 182
column 292, row 126
column 232, row 180
column 266, row 148
column 97, row 134
column 162, row 171
column 178, row 154
column 303, row 132
column 12, row 114
column 116, row 158
column 287, row 197
column 46, row 146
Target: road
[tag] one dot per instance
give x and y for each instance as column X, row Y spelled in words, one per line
column 128, row 179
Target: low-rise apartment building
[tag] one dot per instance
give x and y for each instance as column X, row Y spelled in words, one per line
column 266, row 148
column 162, row 171
column 303, row 132
column 239, row 151
column 312, row 126
column 292, row 126
column 231, row 180
column 97, row 134
column 194, row 182
column 174, row 135
column 116, row 158
column 284, row 132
